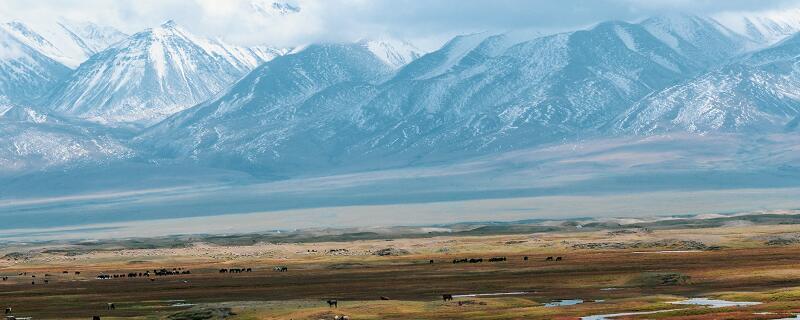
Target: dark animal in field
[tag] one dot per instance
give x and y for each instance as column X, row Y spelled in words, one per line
column 281, row 269
column 497, row 259
column 558, row 258
column 333, row 304
column 46, row 281
column 95, row 317
column 430, row 262
column 384, row 298
column 446, row 297
column 64, row 272
column 223, row 270
column 470, row 260
column 525, row 258
column 8, row 310
column 549, row 259
column 77, row 273
column 5, row 278
column 110, row 306
column 33, row 282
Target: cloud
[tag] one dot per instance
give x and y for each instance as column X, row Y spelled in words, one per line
column 428, row 22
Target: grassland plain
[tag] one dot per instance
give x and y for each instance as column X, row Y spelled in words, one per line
column 634, row 271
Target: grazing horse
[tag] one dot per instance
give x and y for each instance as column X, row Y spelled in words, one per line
column 110, row 306
column 332, row 303
column 558, row 258
column 549, row 259
column 446, row 297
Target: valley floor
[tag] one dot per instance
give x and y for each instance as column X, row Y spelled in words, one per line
column 636, row 272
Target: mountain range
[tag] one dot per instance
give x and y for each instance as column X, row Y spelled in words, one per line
column 164, row 97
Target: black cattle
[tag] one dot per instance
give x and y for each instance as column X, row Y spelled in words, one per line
column 558, row 258
column 223, row 270
column 430, row 262
column 77, row 273
column 333, row 304
column 525, row 258
column 384, row 298
column 549, row 259
column 497, row 259
column 446, row 297
column 281, row 269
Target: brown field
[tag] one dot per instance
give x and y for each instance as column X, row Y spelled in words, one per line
column 736, row 264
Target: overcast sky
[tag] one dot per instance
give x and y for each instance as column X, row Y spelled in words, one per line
column 427, row 23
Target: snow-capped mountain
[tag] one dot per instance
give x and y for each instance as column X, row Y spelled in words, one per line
column 756, row 94
column 153, row 74
column 33, row 140
column 382, row 103
column 477, row 94
column 272, row 9
column 263, row 109
column 393, row 52
column 697, row 38
column 26, row 75
column 762, row 28
column 68, row 42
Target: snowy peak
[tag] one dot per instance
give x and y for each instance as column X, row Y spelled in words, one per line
column 762, row 28
column 274, row 9
column 91, row 37
column 67, row 42
column 169, row 24
column 395, row 53
column 153, row 74
column 697, row 37
column 26, row 74
column 444, row 59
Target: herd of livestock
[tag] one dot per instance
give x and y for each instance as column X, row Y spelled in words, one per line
column 181, row 271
